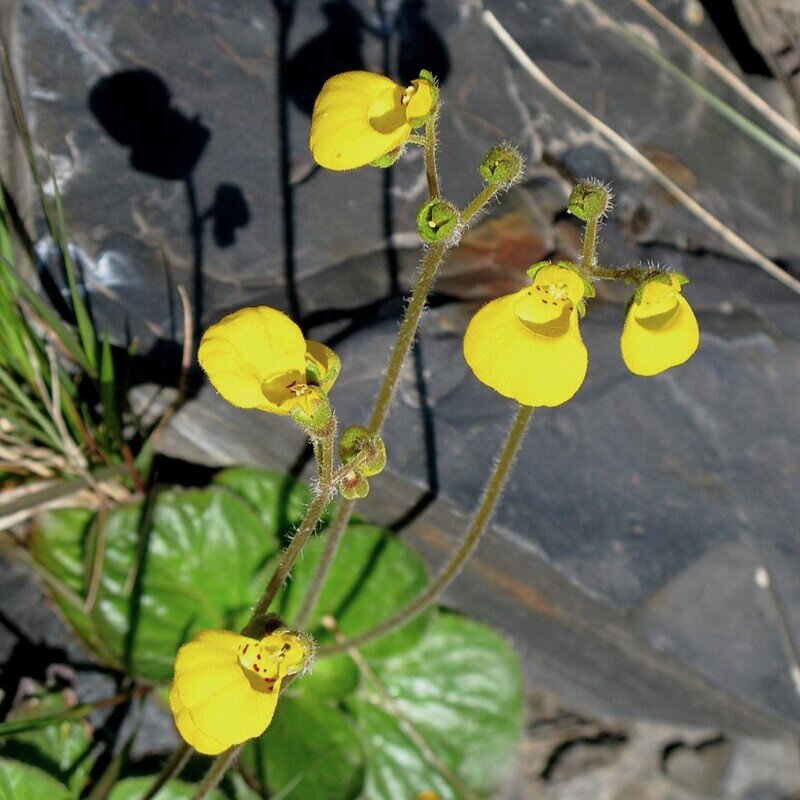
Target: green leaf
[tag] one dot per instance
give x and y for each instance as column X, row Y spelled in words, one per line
column 395, row 766
column 280, row 500
column 190, row 568
column 460, row 689
column 373, row 575
column 108, row 391
column 309, row 751
column 61, row 748
column 330, row 679
column 134, row 788
column 20, row 781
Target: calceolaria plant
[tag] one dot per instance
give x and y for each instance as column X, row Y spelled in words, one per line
column 527, row 346
column 326, row 647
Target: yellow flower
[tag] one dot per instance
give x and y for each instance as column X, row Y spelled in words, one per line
column 660, row 328
column 360, row 116
column 527, row 345
column 226, row 686
column 258, row 358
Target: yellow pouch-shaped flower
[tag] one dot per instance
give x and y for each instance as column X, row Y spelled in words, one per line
column 660, row 328
column 361, row 116
column 257, row 358
column 226, row 686
column 527, row 345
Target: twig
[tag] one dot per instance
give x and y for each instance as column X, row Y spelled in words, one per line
column 623, row 145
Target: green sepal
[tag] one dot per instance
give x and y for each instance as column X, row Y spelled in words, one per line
column 387, row 160
column 354, row 486
column 660, row 277
column 534, row 268
column 317, row 421
column 437, row 220
column 356, row 440
column 315, row 378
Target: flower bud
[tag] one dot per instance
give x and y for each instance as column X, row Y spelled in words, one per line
column 354, row 486
column 358, row 441
column 589, row 199
column 437, row 220
column 503, row 164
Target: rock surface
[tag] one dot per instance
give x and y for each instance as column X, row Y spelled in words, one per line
column 645, row 558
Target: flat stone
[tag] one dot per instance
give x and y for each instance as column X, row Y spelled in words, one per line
column 639, row 511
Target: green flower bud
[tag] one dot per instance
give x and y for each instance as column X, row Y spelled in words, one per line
column 353, row 486
column 589, row 199
column 503, row 164
column 437, row 220
column 358, row 441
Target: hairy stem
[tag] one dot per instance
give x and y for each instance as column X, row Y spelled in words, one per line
column 333, row 539
column 216, row 773
column 303, row 534
column 408, row 331
column 589, row 258
column 477, row 526
column 430, row 154
column 172, row 769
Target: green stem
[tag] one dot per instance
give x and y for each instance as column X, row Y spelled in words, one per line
column 172, row 769
column 405, row 338
column 408, row 330
column 430, row 154
column 216, row 773
column 633, row 274
column 589, row 246
column 486, row 195
column 333, row 539
column 305, row 530
column 477, row 526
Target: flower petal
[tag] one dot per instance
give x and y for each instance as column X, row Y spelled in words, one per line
column 213, row 699
column 658, row 335
column 358, row 117
column 244, row 348
column 325, row 360
column 534, row 366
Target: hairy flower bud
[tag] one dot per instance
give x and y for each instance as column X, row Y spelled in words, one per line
column 503, row 164
column 437, row 220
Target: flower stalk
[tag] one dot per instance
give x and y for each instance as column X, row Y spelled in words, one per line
column 216, row 773
column 475, row 531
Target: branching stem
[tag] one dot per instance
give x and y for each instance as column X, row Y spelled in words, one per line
column 477, row 526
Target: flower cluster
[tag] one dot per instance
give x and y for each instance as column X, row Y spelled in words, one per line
column 226, row 686
column 527, row 346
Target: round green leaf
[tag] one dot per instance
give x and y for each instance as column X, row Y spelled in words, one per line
column 189, row 567
column 134, row 788
column 460, row 689
column 20, row 781
column 309, row 751
column 330, row 679
column 280, row 500
column 374, row 574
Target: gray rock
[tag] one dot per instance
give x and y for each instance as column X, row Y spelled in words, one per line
column 624, row 554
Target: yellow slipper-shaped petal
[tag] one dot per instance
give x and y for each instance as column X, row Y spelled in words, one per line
column 660, row 330
column 527, row 346
column 226, row 686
